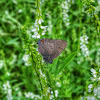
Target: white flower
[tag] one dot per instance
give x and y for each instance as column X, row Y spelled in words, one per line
column 20, row 11
column 93, row 79
column 99, row 79
column 78, row 62
column 43, row 33
column 27, row 64
column 8, row 73
column 96, row 91
column 33, row 30
column 84, row 49
column 26, row 60
column 15, row 1
column 38, row 36
column 93, row 71
column 91, row 98
column 87, row 52
column 65, row 8
column 37, row 28
column 25, row 57
column 58, row 84
column 31, row 95
column 56, row 93
column 8, row 91
column 33, row 36
column 51, row 92
column 43, row 27
column 90, row 86
column 40, row 21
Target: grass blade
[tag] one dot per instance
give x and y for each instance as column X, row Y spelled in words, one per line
column 66, row 62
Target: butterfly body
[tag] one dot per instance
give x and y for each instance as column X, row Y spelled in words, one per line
column 50, row 49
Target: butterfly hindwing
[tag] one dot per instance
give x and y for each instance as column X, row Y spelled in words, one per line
column 59, row 45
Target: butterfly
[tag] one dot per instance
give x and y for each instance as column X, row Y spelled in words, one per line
column 50, row 49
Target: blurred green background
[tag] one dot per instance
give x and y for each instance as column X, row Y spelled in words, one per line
column 65, row 19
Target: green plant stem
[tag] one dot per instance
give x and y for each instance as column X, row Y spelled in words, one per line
column 48, row 75
column 36, row 69
column 80, row 22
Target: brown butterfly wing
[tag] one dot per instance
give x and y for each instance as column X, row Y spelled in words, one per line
column 59, row 45
column 41, row 50
column 50, row 49
column 47, row 47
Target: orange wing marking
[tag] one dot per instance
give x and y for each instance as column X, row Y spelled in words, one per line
column 42, row 40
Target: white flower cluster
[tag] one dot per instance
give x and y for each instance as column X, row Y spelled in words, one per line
column 65, row 8
column 93, row 72
column 84, row 49
column 90, row 98
column 31, row 95
column 52, row 96
column 96, row 91
column 56, row 93
column 94, row 88
column 90, row 88
column 26, row 59
column 98, row 58
column 95, row 75
column 8, row 90
column 38, row 26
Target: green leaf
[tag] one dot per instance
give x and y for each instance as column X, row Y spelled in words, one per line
column 54, row 65
column 66, row 62
column 12, row 42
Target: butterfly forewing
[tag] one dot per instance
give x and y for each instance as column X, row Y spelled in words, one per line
column 46, row 48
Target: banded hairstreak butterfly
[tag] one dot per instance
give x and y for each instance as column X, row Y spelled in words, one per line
column 50, row 49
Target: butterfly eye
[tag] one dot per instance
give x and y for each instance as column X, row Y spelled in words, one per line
column 39, row 42
column 42, row 40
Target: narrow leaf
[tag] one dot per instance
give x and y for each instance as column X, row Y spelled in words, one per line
column 67, row 61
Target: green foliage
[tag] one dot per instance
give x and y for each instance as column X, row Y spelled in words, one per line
column 66, row 62
column 23, row 73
